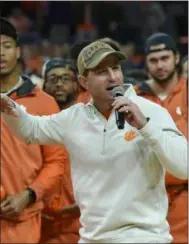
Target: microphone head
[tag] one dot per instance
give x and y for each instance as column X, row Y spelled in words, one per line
column 117, row 91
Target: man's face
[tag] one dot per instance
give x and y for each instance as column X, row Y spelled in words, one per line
column 61, row 84
column 9, row 53
column 161, row 65
column 103, row 78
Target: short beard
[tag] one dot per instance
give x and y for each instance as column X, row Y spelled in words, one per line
column 3, row 75
column 69, row 100
column 165, row 80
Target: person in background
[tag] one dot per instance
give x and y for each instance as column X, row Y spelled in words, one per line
column 168, row 88
column 36, row 80
column 28, row 172
column 184, row 63
column 60, row 219
column 60, row 81
column 120, row 201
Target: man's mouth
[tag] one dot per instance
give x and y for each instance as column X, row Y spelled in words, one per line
column 60, row 93
column 3, row 64
column 111, row 88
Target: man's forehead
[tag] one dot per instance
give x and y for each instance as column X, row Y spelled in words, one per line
column 6, row 38
column 159, row 54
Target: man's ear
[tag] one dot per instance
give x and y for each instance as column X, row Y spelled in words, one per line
column 82, row 80
column 18, row 52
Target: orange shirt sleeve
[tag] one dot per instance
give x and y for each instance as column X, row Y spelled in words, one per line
column 53, row 157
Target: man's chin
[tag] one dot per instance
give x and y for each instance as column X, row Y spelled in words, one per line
column 4, row 73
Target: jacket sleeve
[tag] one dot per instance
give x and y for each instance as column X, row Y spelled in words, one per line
column 52, row 171
column 54, row 160
column 167, row 142
column 44, row 130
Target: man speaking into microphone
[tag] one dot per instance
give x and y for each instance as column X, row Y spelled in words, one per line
column 117, row 171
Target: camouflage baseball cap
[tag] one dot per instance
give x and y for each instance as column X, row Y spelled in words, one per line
column 91, row 55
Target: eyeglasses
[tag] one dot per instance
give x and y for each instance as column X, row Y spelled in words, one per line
column 65, row 79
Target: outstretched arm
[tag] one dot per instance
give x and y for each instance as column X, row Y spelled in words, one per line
column 34, row 129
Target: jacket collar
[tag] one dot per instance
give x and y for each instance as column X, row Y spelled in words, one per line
column 27, row 88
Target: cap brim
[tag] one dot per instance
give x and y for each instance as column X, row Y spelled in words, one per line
column 100, row 57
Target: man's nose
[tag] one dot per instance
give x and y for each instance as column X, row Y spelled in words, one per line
column 59, row 83
column 2, row 52
column 160, row 64
column 112, row 75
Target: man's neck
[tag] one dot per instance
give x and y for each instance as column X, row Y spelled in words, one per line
column 9, row 81
column 164, row 88
column 103, row 109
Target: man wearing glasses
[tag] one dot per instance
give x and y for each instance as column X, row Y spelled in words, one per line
column 60, row 219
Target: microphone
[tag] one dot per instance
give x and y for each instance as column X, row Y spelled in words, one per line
column 120, row 116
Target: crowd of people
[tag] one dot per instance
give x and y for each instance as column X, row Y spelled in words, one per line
column 74, row 177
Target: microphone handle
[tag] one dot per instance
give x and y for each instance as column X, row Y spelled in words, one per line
column 120, row 119
column 120, row 116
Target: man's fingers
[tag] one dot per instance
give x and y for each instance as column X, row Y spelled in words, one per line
column 125, row 109
column 118, row 104
column 5, row 202
column 6, row 209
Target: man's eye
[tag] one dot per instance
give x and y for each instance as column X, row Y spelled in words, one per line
column 101, row 71
column 66, row 78
column 53, row 80
column 8, row 46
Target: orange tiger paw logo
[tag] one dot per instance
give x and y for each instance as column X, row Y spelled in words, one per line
column 130, row 135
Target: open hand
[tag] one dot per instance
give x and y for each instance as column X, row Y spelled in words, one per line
column 7, row 105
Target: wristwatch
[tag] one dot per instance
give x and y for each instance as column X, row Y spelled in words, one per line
column 32, row 195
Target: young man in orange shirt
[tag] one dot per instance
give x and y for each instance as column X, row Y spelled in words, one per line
column 28, row 172
column 60, row 221
column 168, row 88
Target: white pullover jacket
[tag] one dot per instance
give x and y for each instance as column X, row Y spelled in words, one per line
column 118, row 179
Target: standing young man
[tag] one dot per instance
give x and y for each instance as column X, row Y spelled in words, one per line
column 28, row 172
column 60, row 219
column 117, row 175
column 168, row 88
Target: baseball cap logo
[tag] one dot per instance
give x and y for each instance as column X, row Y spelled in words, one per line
column 93, row 49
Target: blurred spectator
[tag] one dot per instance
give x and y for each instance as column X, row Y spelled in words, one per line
column 60, row 18
column 35, row 60
column 76, row 48
column 33, row 77
column 153, row 17
column 184, row 63
column 21, row 22
column 107, row 15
